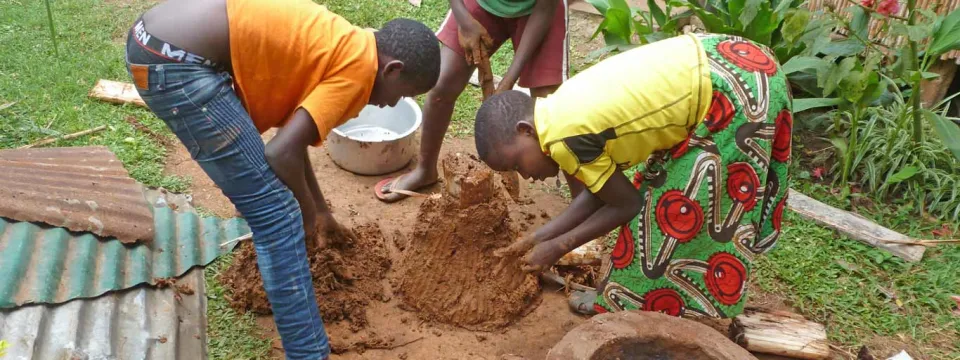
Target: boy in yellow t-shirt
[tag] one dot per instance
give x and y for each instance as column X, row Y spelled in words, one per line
column 683, row 144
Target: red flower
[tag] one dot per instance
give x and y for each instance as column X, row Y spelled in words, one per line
column 747, row 56
column 667, row 301
column 683, row 146
column 889, row 7
column 623, row 251
column 782, row 136
column 867, row 3
column 818, row 172
column 678, row 216
column 778, row 213
column 742, row 184
column 638, row 179
column 726, row 278
column 720, row 114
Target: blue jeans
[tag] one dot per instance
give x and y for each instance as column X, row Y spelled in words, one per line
column 199, row 105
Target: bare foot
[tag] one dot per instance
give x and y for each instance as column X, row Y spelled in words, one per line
column 414, row 180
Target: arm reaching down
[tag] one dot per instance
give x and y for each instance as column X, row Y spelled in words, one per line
column 620, row 203
column 286, row 154
column 580, row 209
column 326, row 224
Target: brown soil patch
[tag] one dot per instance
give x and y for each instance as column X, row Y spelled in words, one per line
column 448, row 272
column 346, row 276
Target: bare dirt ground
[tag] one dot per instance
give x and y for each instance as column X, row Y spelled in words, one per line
column 352, row 199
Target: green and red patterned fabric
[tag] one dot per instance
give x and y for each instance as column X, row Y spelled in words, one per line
column 712, row 203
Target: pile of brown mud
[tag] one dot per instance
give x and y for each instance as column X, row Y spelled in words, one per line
column 347, row 275
column 447, row 272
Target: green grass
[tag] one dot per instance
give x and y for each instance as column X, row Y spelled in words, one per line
column 50, row 92
column 854, row 288
column 230, row 335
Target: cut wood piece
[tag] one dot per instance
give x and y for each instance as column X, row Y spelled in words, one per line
column 780, row 333
column 587, row 254
column 116, row 92
column 65, row 137
column 854, row 226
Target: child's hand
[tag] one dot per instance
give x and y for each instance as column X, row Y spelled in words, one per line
column 329, row 229
column 475, row 41
column 518, row 248
column 542, row 257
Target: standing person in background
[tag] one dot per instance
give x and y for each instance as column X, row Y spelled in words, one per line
column 226, row 71
column 472, row 31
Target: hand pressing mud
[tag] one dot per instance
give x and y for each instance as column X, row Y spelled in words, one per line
column 535, row 256
column 328, row 230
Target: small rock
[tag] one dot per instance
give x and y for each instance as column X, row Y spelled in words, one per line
column 402, row 356
column 481, row 338
column 162, row 339
column 437, row 332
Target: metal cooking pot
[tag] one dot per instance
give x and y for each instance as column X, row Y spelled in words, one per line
column 378, row 141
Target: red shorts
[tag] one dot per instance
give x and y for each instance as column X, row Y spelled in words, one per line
column 549, row 64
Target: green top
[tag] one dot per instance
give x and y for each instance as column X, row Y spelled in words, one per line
column 508, row 8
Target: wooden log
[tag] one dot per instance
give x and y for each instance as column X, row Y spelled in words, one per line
column 590, row 253
column 116, row 92
column 854, row 226
column 780, row 333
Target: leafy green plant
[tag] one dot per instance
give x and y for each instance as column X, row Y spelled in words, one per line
column 887, row 163
column 772, row 23
column 623, row 25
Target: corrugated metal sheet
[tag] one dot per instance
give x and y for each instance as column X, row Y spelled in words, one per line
column 81, row 189
column 140, row 323
column 944, row 8
column 41, row 264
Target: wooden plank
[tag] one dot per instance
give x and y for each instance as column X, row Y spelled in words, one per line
column 780, row 333
column 116, row 92
column 854, row 226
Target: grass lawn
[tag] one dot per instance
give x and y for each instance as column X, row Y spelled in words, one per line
column 864, row 295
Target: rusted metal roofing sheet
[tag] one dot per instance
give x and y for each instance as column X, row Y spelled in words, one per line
column 80, row 188
column 42, row 264
column 139, row 323
column 940, row 7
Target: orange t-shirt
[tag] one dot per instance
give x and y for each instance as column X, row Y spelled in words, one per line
column 288, row 54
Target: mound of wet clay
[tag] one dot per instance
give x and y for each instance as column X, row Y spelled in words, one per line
column 346, row 275
column 447, row 272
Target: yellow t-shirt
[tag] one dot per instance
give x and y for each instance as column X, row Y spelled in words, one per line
column 288, row 54
column 616, row 113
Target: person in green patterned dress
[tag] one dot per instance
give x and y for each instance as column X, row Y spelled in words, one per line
column 682, row 144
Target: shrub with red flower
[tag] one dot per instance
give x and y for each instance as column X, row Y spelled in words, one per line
column 889, row 7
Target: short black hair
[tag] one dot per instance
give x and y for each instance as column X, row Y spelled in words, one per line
column 416, row 46
column 497, row 120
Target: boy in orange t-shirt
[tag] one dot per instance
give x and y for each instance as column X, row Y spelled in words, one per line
column 227, row 70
